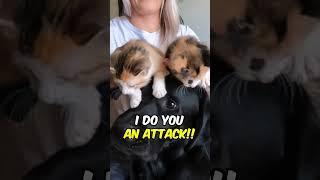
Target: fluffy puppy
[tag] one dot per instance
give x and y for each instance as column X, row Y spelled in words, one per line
column 189, row 61
column 264, row 39
column 132, row 67
column 271, row 38
column 267, row 39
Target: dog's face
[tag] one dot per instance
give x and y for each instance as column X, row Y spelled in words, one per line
column 190, row 102
column 257, row 37
column 131, row 64
column 186, row 58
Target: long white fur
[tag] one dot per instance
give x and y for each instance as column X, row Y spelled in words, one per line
column 305, row 62
column 79, row 98
column 82, row 103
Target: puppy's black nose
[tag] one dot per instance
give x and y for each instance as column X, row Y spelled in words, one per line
column 257, row 64
column 190, row 82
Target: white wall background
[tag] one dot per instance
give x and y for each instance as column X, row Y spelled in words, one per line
column 195, row 13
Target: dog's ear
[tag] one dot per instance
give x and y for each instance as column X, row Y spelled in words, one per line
column 202, row 121
column 114, row 56
column 205, row 53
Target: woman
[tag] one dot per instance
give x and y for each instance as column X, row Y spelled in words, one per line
column 155, row 21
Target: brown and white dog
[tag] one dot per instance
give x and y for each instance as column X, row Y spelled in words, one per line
column 62, row 45
column 265, row 39
column 133, row 65
column 189, row 61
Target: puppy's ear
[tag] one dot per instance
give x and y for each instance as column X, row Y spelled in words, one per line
column 205, row 52
column 166, row 61
column 201, row 129
column 114, row 56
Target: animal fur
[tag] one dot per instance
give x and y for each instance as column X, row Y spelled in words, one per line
column 189, row 61
column 133, row 65
column 62, row 43
column 280, row 36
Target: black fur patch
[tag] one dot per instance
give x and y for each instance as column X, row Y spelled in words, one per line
column 311, row 8
column 281, row 29
column 170, row 48
column 29, row 22
column 192, row 40
column 205, row 53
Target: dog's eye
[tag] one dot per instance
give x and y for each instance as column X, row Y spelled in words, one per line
column 171, row 104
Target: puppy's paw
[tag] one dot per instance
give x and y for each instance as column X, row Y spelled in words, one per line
column 159, row 93
column 83, row 119
column 80, row 131
column 135, row 101
column 159, row 90
column 205, row 82
column 53, row 91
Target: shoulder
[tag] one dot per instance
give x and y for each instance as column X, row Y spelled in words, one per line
column 185, row 30
column 117, row 30
column 117, row 22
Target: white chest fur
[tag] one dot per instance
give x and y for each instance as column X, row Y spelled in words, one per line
column 81, row 102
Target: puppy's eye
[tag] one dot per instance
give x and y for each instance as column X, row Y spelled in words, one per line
column 171, row 104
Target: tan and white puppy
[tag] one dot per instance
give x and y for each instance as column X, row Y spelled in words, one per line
column 189, row 61
column 264, row 39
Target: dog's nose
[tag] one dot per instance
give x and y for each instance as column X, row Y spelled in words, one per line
column 257, row 64
column 190, row 82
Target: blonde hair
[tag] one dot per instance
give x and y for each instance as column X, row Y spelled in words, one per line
column 169, row 20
